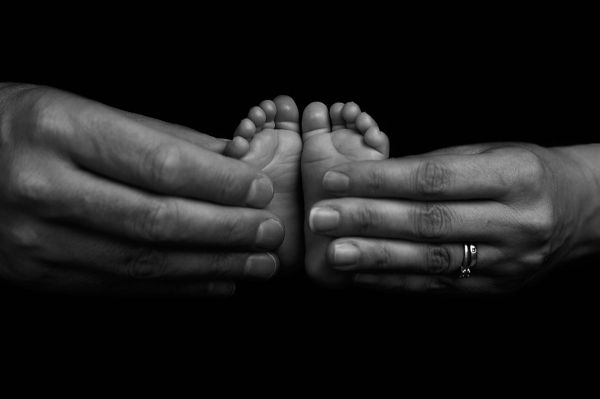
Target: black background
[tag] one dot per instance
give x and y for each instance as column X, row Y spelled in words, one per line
column 427, row 85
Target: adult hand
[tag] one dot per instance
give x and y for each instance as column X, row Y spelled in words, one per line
column 404, row 222
column 95, row 199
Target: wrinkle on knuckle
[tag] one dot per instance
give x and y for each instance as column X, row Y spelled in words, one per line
column 365, row 218
column 432, row 221
column 438, row 259
column 384, row 258
column 153, row 222
column 146, row 264
column 228, row 186
column 234, row 229
column 432, row 178
column 376, row 180
column 221, row 265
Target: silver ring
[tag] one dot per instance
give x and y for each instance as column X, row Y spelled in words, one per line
column 469, row 260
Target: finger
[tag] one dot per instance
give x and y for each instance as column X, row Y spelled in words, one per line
column 401, row 283
column 205, row 141
column 443, row 177
column 69, row 247
column 85, row 282
column 470, row 149
column 173, row 289
column 107, row 143
column 481, row 221
column 393, row 256
column 94, row 202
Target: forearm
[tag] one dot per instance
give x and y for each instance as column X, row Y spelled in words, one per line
column 584, row 179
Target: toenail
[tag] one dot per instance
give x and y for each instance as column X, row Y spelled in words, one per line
column 323, row 219
column 345, row 254
column 261, row 266
column 260, row 193
column 336, row 182
column 270, row 234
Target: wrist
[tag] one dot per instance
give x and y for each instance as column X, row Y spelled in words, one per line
column 582, row 188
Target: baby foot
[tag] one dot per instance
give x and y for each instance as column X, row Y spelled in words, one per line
column 269, row 139
column 331, row 137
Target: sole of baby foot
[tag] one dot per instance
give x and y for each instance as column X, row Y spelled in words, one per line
column 272, row 132
column 332, row 136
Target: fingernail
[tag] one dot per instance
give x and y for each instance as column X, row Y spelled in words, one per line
column 323, row 219
column 345, row 255
column 261, row 266
column 260, row 193
column 336, row 182
column 270, row 234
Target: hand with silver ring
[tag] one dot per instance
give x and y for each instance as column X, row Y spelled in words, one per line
column 499, row 213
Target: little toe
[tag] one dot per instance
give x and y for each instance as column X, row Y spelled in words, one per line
column 364, row 122
column 245, row 129
column 350, row 112
column 315, row 120
column 378, row 140
column 258, row 116
column 335, row 113
column 287, row 113
column 237, row 148
column 270, row 110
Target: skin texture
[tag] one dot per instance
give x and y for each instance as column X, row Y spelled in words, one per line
column 94, row 199
column 332, row 136
column 274, row 145
column 402, row 222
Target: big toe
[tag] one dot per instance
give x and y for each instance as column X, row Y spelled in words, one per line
column 287, row 113
column 315, row 119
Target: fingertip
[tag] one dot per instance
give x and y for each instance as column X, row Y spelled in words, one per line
column 261, row 192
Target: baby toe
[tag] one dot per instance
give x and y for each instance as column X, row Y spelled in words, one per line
column 287, row 113
column 335, row 113
column 258, row 116
column 246, row 129
column 315, row 119
column 364, row 122
column 270, row 110
column 237, row 148
column 378, row 140
column 350, row 112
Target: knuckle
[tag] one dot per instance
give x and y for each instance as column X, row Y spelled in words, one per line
column 438, row 260
column 541, row 224
column 31, row 187
column 235, row 231
column 25, row 237
column 146, row 263
column 154, row 222
column 162, row 164
column 228, row 186
column 531, row 168
column 376, row 180
column 432, row 178
column 365, row 218
column 383, row 258
column 41, row 113
column 432, row 221
column 222, row 265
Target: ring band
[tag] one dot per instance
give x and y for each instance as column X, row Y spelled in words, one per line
column 469, row 260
